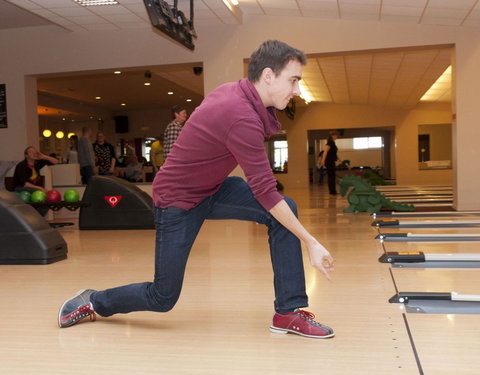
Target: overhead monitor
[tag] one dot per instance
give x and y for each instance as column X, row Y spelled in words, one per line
column 172, row 22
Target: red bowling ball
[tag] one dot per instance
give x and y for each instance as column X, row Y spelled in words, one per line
column 53, row 196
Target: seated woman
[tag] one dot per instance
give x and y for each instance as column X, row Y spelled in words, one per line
column 134, row 170
column 27, row 173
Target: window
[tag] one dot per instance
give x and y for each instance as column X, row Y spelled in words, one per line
column 147, row 147
column 280, row 155
column 363, row 143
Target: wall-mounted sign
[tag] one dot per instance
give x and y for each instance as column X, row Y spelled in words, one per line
column 3, row 106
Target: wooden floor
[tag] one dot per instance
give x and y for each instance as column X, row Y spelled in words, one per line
column 220, row 325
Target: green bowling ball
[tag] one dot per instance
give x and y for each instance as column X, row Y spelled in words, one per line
column 71, row 196
column 25, row 196
column 39, row 196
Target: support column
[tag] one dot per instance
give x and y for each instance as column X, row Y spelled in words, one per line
column 22, row 116
column 466, row 126
column 226, row 66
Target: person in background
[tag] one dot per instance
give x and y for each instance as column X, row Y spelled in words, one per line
column 320, row 168
column 86, row 156
column 105, row 155
column 134, row 169
column 329, row 160
column 173, row 129
column 72, row 154
column 156, row 154
column 27, row 173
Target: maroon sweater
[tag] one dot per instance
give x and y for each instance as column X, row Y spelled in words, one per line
column 226, row 130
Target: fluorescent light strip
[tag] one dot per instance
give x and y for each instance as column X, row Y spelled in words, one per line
column 87, row 3
column 439, row 88
column 305, row 93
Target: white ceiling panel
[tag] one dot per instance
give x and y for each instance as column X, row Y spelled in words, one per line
column 446, row 13
column 26, row 4
column 318, row 5
column 406, row 3
column 67, row 12
column 56, row 3
column 117, row 9
column 452, row 4
column 133, row 25
column 122, row 17
column 399, row 19
column 279, row 4
column 251, row 9
column 44, row 13
column 282, row 12
column 87, row 20
column 359, row 8
column 401, row 11
column 321, row 14
column 100, row 26
column 442, row 21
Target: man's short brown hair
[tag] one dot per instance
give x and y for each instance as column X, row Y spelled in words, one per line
column 275, row 55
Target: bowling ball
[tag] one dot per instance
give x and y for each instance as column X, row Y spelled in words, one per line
column 25, row 196
column 53, row 196
column 39, row 196
column 71, row 196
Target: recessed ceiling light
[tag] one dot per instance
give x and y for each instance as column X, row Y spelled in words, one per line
column 123, row 104
column 147, row 83
column 117, row 72
column 189, row 100
column 170, row 93
column 98, row 97
column 87, row 3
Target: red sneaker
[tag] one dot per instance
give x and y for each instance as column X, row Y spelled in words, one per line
column 302, row 323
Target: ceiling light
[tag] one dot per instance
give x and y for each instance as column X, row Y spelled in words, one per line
column 117, row 72
column 440, row 87
column 123, row 104
column 170, row 93
column 189, row 100
column 147, row 83
column 47, row 133
column 229, row 3
column 98, row 97
column 305, row 93
column 63, row 119
column 70, row 135
column 59, row 134
column 87, row 3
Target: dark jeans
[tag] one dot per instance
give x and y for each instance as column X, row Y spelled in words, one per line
column 86, row 173
column 321, row 175
column 176, row 233
column 332, row 187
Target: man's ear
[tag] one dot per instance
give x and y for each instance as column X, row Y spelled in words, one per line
column 267, row 75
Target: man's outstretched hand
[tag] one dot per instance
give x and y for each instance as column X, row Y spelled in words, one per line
column 321, row 259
